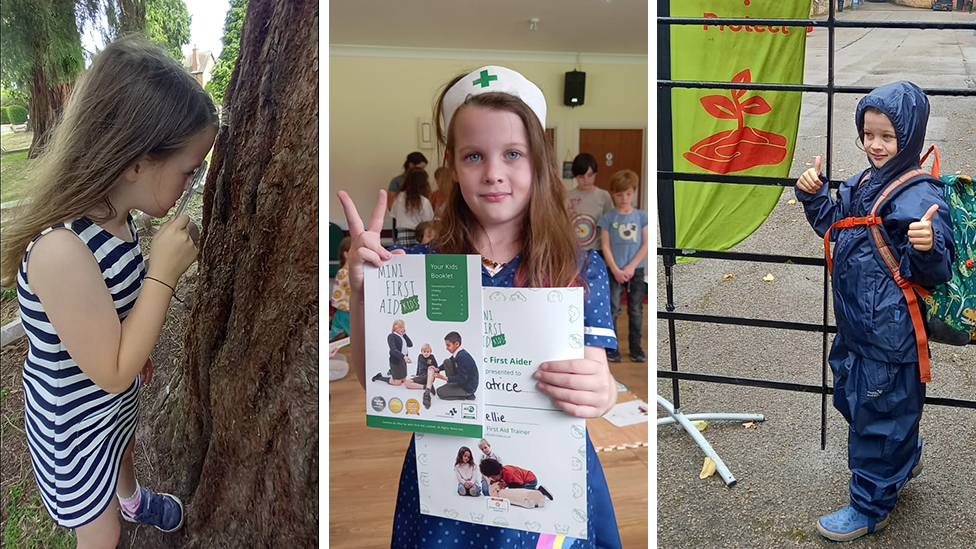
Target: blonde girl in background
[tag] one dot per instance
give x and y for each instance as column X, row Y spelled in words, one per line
column 135, row 128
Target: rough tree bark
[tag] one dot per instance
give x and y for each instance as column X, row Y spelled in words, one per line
column 45, row 104
column 240, row 433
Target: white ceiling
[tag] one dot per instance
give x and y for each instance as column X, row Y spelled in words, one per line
column 565, row 26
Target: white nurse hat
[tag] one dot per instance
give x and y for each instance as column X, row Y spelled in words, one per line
column 494, row 79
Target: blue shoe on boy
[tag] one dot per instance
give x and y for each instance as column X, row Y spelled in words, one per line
column 164, row 511
column 848, row 524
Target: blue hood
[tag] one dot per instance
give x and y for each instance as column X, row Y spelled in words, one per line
column 907, row 107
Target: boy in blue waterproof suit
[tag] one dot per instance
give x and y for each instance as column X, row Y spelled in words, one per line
column 875, row 362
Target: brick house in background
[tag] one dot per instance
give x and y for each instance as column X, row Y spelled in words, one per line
column 200, row 63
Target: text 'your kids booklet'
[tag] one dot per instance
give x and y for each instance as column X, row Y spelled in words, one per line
column 423, row 344
column 528, row 471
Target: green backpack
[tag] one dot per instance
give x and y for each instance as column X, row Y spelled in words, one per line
column 951, row 314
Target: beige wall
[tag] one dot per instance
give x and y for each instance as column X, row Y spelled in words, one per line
column 375, row 104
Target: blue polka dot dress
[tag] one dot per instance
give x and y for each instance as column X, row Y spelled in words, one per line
column 412, row 530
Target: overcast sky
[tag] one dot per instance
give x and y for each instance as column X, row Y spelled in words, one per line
column 207, row 24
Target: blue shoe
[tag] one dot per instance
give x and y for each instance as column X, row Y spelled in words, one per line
column 164, row 511
column 848, row 524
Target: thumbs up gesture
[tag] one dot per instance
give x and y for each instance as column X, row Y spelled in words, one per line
column 810, row 181
column 920, row 232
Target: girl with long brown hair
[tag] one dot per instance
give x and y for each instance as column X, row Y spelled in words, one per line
column 412, row 206
column 135, row 129
column 506, row 203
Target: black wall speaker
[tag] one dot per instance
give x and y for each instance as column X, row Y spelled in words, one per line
column 575, row 86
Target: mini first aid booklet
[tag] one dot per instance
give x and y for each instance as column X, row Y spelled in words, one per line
column 524, row 431
column 423, row 318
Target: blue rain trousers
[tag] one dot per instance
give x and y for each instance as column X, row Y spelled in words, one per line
column 882, row 403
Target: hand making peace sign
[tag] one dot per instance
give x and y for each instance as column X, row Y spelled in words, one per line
column 365, row 247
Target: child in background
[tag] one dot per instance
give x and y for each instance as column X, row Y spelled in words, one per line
column 415, row 159
column 465, row 471
column 412, row 207
column 877, row 385
column 442, row 178
column 507, row 203
column 624, row 236
column 133, row 131
column 510, row 476
column 424, row 232
column 587, row 202
column 340, row 294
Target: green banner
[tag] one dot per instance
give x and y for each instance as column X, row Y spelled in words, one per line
column 422, row 426
column 447, row 288
column 740, row 132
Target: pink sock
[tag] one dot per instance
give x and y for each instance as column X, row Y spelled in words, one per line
column 131, row 504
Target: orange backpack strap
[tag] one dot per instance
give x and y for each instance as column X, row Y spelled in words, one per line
column 936, row 172
column 888, row 258
column 845, row 223
column 873, row 222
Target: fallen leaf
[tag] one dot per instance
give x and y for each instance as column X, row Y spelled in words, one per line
column 708, row 468
column 769, row 277
column 700, row 424
column 727, row 276
column 749, row 424
column 791, row 201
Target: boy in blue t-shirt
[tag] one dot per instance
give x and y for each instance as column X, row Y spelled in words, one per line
column 624, row 239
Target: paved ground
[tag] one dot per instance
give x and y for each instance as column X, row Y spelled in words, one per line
column 785, row 480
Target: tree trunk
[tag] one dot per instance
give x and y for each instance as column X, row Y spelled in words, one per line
column 45, row 105
column 132, row 16
column 240, row 433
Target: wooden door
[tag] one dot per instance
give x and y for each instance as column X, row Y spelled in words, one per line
column 615, row 150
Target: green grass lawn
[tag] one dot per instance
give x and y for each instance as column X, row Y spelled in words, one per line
column 13, row 141
column 13, row 176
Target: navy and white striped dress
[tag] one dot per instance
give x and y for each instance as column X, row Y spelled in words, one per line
column 77, row 432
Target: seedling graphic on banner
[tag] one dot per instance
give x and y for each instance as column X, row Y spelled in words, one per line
column 744, row 147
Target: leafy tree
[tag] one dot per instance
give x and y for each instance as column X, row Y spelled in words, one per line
column 12, row 96
column 168, row 24
column 164, row 22
column 220, row 75
column 40, row 51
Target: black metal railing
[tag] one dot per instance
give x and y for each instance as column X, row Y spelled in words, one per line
column 666, row 177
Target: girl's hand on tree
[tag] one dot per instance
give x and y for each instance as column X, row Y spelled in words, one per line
column 365, row 247
column 172, row 251
column 920, row 233
column 580, row 387
column 147, row 372
column 810, row 181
